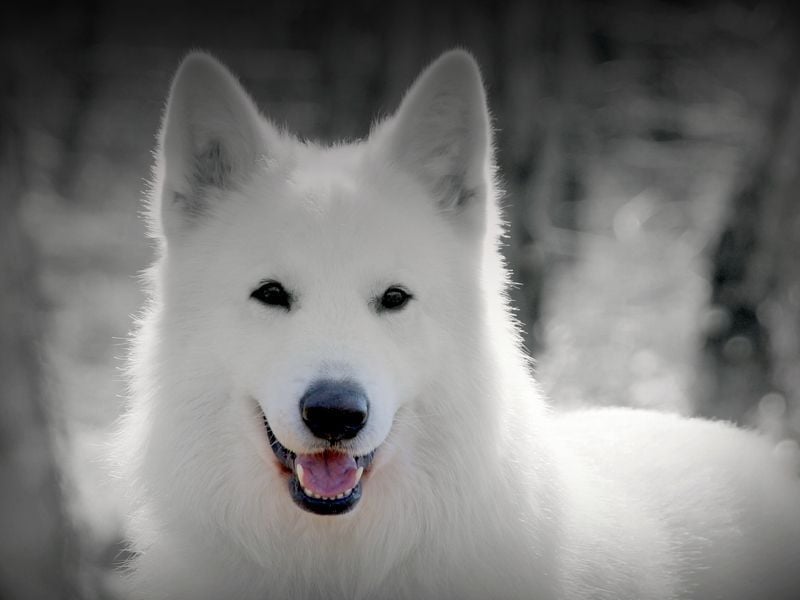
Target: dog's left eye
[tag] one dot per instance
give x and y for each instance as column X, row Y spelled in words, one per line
column 394, row 298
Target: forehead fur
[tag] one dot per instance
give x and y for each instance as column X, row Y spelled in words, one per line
column 329, row 204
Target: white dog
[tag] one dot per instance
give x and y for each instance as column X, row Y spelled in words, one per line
column 329, row 399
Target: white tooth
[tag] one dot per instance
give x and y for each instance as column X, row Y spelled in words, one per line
column 299, row 470
column 340, row 496
column 359, row 473
column 308, row 492
column 348, row 492
column 317, row 496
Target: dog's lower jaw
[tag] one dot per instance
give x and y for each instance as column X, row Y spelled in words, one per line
column 338, row 503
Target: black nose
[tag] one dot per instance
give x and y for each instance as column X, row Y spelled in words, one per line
column 334, row 410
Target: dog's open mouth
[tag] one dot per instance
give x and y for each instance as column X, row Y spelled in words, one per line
column 325, row 483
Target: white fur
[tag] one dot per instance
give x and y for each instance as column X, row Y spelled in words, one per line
column 477, row 491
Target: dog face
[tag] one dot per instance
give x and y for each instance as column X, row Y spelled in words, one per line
column 317, row 289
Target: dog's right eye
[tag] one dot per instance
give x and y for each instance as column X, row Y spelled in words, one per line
column 394, row 298
column 272, row 293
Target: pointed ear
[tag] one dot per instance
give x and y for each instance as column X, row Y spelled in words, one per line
column 211, row 137
column 441, row 132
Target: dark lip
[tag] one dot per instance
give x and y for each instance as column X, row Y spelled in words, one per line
column 317, row 506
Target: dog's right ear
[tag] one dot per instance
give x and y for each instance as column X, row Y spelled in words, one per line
column 211, row 139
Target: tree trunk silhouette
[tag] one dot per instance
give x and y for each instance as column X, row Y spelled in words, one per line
column 31, row 519
column 752, row 351
column 543, row 72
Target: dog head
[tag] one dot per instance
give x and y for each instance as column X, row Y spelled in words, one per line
column 321, row 301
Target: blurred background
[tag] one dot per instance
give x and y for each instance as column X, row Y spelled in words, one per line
column 650, row 153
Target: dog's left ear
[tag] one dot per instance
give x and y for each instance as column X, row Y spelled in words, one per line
column 441, row 132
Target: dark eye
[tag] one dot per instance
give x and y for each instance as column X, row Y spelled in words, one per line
column 394, row 298
column 273, row 294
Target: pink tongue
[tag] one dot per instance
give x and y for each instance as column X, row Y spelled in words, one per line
column 327, row 473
